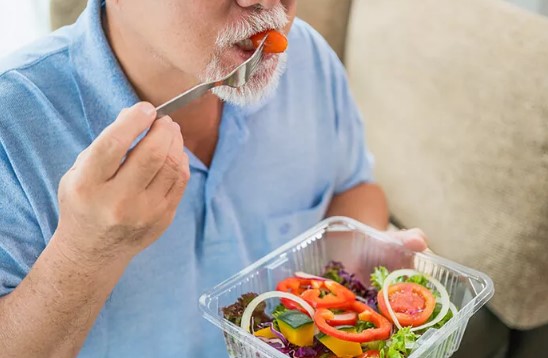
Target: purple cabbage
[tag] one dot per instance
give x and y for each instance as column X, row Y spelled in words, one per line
column 294, row 351
column 336, row 272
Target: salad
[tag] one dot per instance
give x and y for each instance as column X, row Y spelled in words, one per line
column 336, row 315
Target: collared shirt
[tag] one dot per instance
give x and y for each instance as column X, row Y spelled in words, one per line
column 275, row 169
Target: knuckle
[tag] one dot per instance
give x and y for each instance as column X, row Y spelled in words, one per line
column 172, row 163
column 154, row 155
column 185, row 174
column 110, row 144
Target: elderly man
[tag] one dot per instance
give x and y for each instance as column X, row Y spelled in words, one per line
column 99, row 256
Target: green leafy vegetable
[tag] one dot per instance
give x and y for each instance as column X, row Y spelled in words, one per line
column 363, row 325
column 278, row 310
column 374, row 345
column 444, row 320
column 396, row 346
column 234, row 312
column 378, row 276
column 332, row 271
column 419, row 279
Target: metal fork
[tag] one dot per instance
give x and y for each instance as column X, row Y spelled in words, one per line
column 235, row 79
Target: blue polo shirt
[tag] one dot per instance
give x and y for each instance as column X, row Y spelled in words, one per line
column 275, row 169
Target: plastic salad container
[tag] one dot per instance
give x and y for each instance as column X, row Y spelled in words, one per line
column 360, row 248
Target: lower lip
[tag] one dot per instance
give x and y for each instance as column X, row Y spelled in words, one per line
column 244, row 55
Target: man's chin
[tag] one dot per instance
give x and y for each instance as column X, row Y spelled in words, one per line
column 260, row 86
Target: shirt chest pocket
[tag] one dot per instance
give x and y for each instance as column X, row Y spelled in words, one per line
column 282, row 228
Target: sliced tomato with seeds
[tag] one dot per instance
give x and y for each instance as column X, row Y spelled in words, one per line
column 413, row 304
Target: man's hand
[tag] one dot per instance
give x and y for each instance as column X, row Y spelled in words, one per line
column 112, row 205
column 367, row 203
column 117, row 203
column 413, row 239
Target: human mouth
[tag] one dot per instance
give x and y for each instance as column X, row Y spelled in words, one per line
column 276, row 42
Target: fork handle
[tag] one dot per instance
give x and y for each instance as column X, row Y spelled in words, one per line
column 183, row 99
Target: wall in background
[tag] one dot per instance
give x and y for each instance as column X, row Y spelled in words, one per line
column 22, row 21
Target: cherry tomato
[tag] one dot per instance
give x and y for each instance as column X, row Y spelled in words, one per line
column 276, row 42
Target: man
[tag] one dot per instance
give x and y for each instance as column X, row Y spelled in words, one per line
column 99, row 256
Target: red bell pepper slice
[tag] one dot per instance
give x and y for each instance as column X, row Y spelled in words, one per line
column 295, row 286
column 347, row 318
column 318, row 293
column 365, row 313
column 329, row 295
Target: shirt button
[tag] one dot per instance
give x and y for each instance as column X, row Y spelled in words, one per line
column 284, row 229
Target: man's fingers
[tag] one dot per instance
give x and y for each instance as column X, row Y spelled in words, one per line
column 104, row 156
column 148, row 157
column 172, row 168
column 178, row 188
column 413, row 239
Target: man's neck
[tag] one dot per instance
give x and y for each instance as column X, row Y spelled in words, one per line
column 157, row 82
column 152, row 78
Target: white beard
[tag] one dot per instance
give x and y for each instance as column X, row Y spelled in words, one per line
column 267, row 76
column 263, row 82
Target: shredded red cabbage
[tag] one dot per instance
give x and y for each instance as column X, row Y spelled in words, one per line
column 335, row 271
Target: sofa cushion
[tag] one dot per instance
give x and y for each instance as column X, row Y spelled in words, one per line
column 455, row 98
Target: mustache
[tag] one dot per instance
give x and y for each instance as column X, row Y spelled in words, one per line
column 258, row 21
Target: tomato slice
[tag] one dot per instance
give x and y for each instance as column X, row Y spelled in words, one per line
column 348, row 318
column 276, row 42
column 365, row 313
column 412, row 303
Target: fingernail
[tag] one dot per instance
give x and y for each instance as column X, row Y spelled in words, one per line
column 146, row 108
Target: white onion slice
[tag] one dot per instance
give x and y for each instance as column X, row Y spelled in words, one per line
column 308, row 276
column 248, row 312
column 453, row 309
column 444, row 297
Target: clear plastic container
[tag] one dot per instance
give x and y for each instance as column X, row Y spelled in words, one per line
column 360, row 249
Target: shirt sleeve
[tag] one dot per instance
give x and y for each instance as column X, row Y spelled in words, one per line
column 21, row 240
column 355, row 161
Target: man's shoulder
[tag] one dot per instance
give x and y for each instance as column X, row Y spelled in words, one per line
column 48, row 50
column 35, row 72
column 312, row 63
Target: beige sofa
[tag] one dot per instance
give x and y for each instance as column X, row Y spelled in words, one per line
column 455, row 98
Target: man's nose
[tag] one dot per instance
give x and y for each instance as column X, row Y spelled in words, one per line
column 266, row 4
